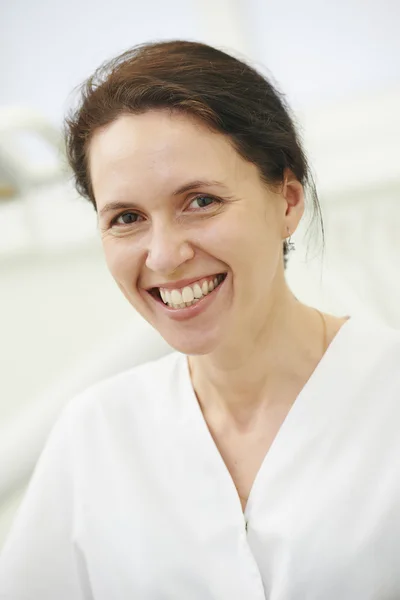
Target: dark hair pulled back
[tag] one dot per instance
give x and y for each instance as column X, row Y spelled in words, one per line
column 223, row 92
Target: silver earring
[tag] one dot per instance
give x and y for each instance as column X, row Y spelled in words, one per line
column 290, row 245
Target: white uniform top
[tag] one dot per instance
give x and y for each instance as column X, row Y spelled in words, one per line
column 132, row 500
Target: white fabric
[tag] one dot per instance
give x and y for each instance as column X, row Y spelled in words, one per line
column 132, row 500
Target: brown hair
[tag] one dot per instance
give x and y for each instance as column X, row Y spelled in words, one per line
column 223, row 92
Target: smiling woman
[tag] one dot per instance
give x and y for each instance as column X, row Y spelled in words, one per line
column 193, row 209
column 192, row 79
column 259, row 460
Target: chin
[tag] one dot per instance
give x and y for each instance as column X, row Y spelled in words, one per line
column 192, row 345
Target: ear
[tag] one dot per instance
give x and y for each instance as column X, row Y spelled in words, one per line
column 293, row 196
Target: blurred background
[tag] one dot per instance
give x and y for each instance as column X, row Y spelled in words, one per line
column 63, row 322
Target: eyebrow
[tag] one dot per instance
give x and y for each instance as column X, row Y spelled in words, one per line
column 111, row 206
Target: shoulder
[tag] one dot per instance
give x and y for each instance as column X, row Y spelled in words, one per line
column 375, row 336
column 373, row 350
column 140, row 389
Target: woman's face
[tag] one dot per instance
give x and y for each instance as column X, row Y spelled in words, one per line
column 191, row 234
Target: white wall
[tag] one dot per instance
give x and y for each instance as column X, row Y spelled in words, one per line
column 317, row 51
column 50, row 47
column 322, row 51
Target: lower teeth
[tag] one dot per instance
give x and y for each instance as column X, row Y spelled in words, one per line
column 184, row 304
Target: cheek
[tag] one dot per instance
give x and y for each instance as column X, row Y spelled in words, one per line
column 242, row 237
column 122, row 260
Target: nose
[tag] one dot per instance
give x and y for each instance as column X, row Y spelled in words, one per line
column 168, row 249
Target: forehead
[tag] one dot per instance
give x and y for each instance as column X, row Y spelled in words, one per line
column 157, row 151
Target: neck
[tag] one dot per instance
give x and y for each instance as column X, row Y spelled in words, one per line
column 260, row 367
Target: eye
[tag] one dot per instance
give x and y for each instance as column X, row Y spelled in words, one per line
column 126, row 218
column 203, row 202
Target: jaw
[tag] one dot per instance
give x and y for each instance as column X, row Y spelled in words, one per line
column 199, row 340
column 197, row 329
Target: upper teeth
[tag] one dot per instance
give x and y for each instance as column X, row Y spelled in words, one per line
column 189, row 294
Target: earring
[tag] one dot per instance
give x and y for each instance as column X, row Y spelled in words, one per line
column 290, row 245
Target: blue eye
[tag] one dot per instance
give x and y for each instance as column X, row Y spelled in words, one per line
column 203, row 201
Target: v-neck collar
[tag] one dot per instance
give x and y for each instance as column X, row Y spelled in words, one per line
column 325, row 369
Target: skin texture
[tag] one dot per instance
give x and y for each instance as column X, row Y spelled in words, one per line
column 254, row 344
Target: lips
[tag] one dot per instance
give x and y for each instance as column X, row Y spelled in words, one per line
column 189, row 312
column 177, row 295
column 184, row 297
column 182, row 282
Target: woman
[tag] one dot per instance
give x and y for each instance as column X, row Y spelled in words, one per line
column 261, row 459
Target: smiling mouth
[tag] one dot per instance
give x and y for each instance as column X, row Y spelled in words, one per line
column 190, row 294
